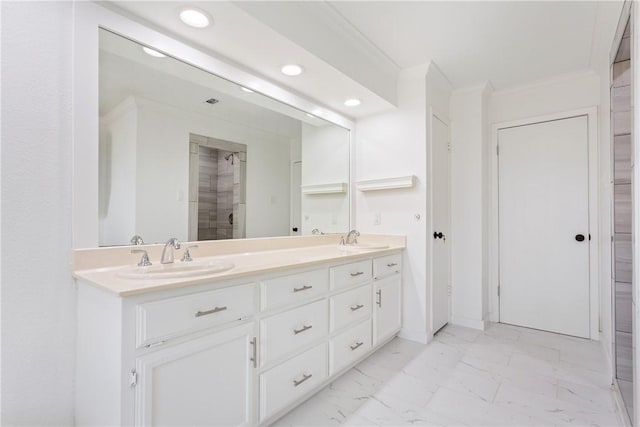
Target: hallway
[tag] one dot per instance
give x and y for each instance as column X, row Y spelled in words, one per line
column 505, row 375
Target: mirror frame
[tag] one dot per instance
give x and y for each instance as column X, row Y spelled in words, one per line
column 88, row 19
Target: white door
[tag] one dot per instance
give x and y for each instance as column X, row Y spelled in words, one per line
column 441, row 219
column 205, row 381
column 387, row 315
column 544, row 226
column 296, row 199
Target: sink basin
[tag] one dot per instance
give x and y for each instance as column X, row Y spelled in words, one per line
column 176, row 270
column 363, row 247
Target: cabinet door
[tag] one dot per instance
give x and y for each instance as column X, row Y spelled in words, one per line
column 387, row 308
column 205, row 381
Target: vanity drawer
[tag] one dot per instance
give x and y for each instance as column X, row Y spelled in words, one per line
column 350, row 274
column 292, row 329
column 387, row 266
column 350, row 307
column 291, row 380
column 164, row 319
column 291, row 289
column 349, row 346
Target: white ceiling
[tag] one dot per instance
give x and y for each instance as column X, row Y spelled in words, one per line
column 356, row 48
column 506, row 42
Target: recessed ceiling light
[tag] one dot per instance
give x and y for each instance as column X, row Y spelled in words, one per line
column 246, row 89
column 152, row 52
column 353, row 102
column 291, row 70
column 195, row 17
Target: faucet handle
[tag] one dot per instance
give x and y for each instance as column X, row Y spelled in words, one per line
column 137, row 240
column 341, row 241
column 186, row 257
column 144, row 261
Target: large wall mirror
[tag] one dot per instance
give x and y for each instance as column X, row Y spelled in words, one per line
column 184, row 153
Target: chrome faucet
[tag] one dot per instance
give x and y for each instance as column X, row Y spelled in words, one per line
column 355, row 234
column 167, row 252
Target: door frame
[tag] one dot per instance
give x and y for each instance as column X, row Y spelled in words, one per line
column 436, row 115
column 494, row 226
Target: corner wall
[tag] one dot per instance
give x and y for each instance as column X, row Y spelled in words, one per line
column 469, row 304
column 396, row 143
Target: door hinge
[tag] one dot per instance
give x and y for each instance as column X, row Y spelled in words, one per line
column 498, row 290
column 497, row 150
column 449, row 290
column 133, row 378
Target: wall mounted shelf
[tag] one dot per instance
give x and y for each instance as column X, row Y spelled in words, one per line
column 333, row 188
column 386, row 183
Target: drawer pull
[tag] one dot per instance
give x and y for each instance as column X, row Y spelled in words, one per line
column 356, row 307
column 392, row 264
column 254, row 357
column 356, row 345
column 379, row 298
column 212, row 311
column 304, row 288
column 357, row 274
column 304, row 328
column 296, row 383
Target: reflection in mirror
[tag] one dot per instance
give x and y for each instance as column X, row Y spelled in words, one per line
column 186, row 154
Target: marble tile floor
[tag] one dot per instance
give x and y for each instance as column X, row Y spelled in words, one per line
column 503, row 376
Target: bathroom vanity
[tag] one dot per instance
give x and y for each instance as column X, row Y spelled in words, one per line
column 237, row 347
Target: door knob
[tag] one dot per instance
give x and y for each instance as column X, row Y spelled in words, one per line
column 580, row 237
column 437, row 235
column 295, row 229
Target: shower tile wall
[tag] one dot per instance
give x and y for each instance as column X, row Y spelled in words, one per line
column 207, row 193
column 622, row 123
column 227, row 162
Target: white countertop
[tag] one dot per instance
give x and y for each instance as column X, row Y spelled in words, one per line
column 103, row 267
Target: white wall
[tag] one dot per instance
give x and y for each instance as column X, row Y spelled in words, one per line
column 38, row 294
column 563, row 93
column 396, row 144
column 117, row 168
column 325, row 160
column 162, row 172
column 468, row 140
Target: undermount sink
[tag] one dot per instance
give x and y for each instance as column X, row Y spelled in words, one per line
column 363, row 246
column 176, row 270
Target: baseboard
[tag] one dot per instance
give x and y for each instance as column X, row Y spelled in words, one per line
column 607, row 356
column 421, row 337
column 622, row 410
column 469, row 323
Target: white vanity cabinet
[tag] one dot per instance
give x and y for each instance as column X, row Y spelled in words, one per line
column 387, row 317
column 235, row 352
column 204, row 381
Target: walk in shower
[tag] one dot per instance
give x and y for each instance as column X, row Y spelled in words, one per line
column 622, row 124
column 217, row 189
